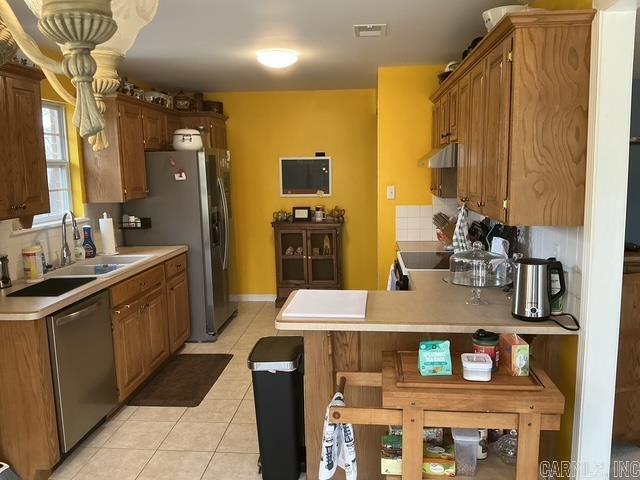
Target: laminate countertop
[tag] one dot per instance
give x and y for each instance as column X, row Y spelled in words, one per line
column 433, row 306
column 34, row 308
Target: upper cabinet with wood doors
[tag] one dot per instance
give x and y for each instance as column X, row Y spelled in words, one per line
column 212, row 125
column 118, row 173
column 23, row 166
column 517, row 107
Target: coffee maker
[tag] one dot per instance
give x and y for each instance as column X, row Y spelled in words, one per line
column 532, row 295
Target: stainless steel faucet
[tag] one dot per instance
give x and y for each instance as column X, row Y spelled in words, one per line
column 65, row 256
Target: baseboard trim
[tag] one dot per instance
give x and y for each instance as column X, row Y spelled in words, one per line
column 252, row 298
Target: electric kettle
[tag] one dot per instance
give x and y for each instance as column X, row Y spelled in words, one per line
column 532, row 294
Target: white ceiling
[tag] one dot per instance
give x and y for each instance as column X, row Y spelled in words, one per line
column 210, row 45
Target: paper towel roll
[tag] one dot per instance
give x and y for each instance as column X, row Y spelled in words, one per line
column 107, row 235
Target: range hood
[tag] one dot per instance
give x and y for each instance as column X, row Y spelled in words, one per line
column 446, row 157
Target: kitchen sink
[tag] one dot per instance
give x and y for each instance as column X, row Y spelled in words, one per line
column 97, row 266
column 82, row 270
column 114, row 259
column 52, row 287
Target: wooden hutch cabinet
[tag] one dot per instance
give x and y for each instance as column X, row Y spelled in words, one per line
column 308, row 255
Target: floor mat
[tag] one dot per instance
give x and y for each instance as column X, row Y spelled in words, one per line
column 182, row 382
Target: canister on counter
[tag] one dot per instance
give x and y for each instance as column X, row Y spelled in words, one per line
column 487, row 342
column 32, row 263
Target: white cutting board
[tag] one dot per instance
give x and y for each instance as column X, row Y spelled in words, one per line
column 345, row 304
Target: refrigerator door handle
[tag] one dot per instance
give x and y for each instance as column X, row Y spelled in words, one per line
column 223, row 196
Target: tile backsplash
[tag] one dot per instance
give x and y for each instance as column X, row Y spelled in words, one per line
column 414, row 223
column 13, row 240
column 566, row 244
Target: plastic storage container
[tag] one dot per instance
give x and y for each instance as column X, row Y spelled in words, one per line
column 466, row 441
column 276, row 370
column 476, row 367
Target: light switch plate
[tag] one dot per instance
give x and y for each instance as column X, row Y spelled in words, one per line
column 391, row 192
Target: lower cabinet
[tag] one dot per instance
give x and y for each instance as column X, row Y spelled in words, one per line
column 128, row 344
column 154, row 319
column 150, row 322
column 178, row 310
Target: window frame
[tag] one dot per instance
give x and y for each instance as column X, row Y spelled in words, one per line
column 64, row 163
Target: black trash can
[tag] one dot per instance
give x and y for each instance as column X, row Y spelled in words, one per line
column 276, row 365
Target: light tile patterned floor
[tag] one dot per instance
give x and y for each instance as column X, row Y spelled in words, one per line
column 215, row 441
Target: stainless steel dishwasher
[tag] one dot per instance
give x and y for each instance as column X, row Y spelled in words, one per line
column 84, row 375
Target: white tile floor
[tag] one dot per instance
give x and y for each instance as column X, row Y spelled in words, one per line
column 215, row 441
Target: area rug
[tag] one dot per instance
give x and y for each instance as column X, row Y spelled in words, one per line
column 182, row 382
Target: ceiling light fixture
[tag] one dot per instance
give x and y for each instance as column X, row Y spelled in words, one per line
column 277, row 57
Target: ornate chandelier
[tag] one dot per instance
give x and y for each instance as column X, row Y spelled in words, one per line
column 94, row 36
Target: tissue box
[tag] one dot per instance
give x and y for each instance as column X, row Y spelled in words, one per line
column 514, row 355
column 434, row 358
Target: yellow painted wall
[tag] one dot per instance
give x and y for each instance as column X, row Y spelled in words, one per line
column 404, row 135
column 264, row 126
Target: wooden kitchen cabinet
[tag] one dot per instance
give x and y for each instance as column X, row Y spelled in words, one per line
column 154, row 124
column 463, row 139
column 118, row 173
column 178, row 311
column 151, row 321
column 521, row 119
column 212, row 125
column 443, row 182
column 495, row 159
column 131, row 129
column 177, row 302
column 317, row 266
column 23, row 167
column 155, row 320
column 129, row 348
column 172, row 123
column 626, row 418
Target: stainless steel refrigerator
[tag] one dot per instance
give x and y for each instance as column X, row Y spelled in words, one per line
column 189, row 203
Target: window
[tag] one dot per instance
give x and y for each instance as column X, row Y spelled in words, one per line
column 56, row 151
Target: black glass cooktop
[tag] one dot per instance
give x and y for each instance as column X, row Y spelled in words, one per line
column 426, row 260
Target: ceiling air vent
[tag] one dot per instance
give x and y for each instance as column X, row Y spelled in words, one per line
column 370, row 30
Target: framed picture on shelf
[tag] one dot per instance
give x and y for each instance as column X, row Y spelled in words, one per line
column 301, row 214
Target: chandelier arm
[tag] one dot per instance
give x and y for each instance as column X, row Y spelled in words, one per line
column 25, row 42
column 58, row 87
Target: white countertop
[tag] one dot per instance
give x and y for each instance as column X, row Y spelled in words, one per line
column 34, row 308
column 432, row 306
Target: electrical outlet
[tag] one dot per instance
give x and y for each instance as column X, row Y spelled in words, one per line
column 391, row 192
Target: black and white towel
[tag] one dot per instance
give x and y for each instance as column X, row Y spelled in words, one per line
column 338, row 446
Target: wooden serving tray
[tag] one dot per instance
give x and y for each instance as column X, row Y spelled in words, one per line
column 408, row 375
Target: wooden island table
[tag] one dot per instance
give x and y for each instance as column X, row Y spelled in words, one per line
column 398, row 321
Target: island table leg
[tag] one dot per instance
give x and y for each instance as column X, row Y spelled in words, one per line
column 528, row 446
column 412, row 421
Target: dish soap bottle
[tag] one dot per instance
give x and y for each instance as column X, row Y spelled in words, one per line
column 88, row 245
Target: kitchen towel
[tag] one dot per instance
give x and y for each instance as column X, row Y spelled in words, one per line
column 107, row 235
column 391, row 282
column 461, row 233
column 338, row 446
